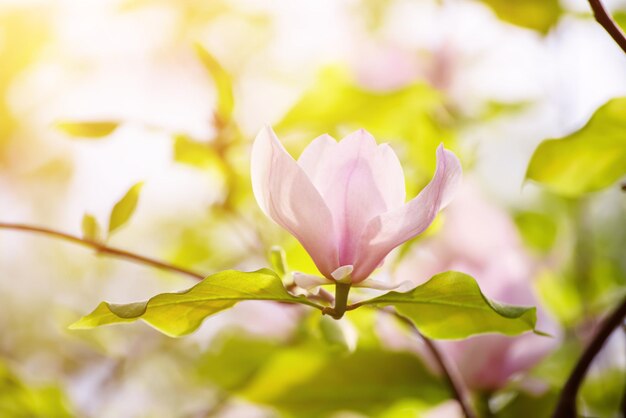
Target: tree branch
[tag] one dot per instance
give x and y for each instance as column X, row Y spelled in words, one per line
column 452, row 378
column 607, row 22
column 566, row 407
column 102, row 248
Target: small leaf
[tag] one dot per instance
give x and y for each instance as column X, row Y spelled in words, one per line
column 196, row 154
column 222, row 80
column 178, row 314
column 88, row 129
column 124, row 209
column 91, row 228
column 539, row 15
column 278, row 260
column 450, row 306
column 587, row 160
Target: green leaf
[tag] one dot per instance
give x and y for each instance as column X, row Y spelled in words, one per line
column 178, row 314
column 587, row 160
column 88, row 129
column 538, row 230
column 91, row 228
column 450, row 305
column 415, row 116
column 124, row 209
column 19, row 400
column 539, row 15
column 194, row 153
column 278, row 260
column 223, row 83
column 367, row 381
column 620, row 18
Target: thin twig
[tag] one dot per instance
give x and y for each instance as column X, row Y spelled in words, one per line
column 607, row 22
column 452, row 378
column 102, row 248
column 567, row 402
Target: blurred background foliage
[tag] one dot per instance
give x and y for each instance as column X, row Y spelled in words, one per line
column 100, row 97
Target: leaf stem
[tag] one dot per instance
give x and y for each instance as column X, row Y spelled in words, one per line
column 102, row 248
column 567, row 401
column 607, row 22
column 450, row 373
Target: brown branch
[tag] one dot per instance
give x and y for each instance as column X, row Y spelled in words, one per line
column 567, row 402
column 102, row 248
column 452, row 378
column 607, row 22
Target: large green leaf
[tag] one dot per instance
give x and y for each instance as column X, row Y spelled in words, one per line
column 178, row 314
column 88, row 129
column 450, row 305
column 539, row 15
column 124, row 208
column 368, row 381
column 305, row 377
column 587, row 160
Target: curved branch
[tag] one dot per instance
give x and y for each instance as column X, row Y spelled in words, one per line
column 102, row 248
column 567, row 402
column 607, row 22
column 452, row 378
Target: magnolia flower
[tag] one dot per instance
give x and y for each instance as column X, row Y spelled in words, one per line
column 345, row 201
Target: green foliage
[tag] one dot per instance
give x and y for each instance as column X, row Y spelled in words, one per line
column 278, row 260
column 17, row 400
column 538, row 230
column 194, row 153
column 88, row 129
column 124, row 208
column 587, row 160
column 91, row 228
column 414, row 114
column 524, row 405
column 450, row 305
column 223, row 83
column 369, row 380
column 539, row 15
column 178, row 314
column 602, row 393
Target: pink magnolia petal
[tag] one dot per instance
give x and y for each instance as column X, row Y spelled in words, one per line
column 286, row 194
column 316, row 157
column 357, row 179
column 385, row 232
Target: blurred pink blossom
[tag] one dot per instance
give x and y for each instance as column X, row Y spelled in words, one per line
column 481, row 240
column 345, row 201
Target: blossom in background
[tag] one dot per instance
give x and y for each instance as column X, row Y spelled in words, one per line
column 345, row 201
column 480, row 239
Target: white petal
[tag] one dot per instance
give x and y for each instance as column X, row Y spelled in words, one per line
column 309, row 281
column 342, row 274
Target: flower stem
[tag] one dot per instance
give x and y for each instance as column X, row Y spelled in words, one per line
column 342, row 290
